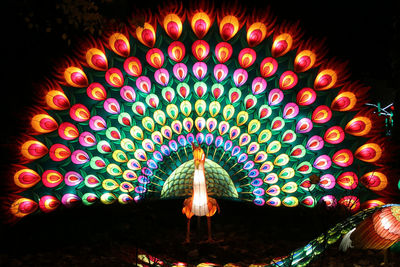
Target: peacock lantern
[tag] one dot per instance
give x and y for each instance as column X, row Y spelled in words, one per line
column 199, row 203
column 207, row 103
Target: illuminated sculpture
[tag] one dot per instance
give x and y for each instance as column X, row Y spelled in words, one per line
column 199, row 203
column 279, row 124
column 379, row 231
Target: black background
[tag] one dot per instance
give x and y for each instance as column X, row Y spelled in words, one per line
column 364, row 34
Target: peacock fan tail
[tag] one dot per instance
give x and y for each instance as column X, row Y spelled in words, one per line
column 280, row 124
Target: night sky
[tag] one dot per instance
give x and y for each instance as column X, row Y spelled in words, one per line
column 38, row 33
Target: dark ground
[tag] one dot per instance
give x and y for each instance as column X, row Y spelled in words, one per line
column 110, row 235
column 36, row 33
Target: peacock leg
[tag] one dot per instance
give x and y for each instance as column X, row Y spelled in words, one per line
column 209, row 230
column 198, row 225
column 187, row 240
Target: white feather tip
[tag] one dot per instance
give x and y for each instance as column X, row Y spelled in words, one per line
column 346, row 241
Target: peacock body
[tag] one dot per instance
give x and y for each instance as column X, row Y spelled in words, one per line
column 280, row 125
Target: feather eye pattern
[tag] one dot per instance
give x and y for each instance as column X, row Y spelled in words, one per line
column 280, row 124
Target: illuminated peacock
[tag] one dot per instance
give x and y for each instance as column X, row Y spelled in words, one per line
column 279, row 124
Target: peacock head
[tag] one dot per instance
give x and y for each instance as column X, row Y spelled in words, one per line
column 198, row 155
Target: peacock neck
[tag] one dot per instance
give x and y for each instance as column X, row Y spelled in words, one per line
column 199, row 180
column 200, row 167
column 199, row 195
